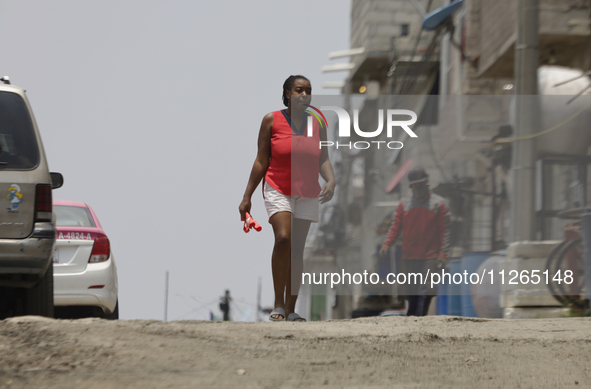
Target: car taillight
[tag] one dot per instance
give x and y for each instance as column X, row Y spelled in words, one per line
column 100, row 250
column 43, row 206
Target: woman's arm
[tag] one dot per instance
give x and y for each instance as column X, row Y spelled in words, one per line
column 326, row 172
column 261, row 163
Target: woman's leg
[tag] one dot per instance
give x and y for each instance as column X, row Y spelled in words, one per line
column 281, row 222
column 299, row 230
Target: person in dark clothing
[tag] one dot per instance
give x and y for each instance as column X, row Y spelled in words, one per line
column 424, row 220
column 225, row 305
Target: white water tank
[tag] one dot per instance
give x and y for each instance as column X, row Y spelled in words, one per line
column 574, row 136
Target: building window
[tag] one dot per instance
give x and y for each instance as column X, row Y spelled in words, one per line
column 404, row 30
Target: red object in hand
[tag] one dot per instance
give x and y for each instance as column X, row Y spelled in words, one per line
column 250, row 223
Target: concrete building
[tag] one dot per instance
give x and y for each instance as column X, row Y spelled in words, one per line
column 405, row 66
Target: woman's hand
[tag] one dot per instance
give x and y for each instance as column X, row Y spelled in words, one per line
column 261, row 163
column 327, row 192
column 244, row 207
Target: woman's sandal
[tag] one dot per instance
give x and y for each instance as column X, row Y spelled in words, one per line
column 277, row 312
column 295, row 317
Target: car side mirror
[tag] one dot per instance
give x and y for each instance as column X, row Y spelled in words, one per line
column 57, row 180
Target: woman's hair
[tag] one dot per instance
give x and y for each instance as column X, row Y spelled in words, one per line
column 287, row 87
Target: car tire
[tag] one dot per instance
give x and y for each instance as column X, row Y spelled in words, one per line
column 115, row 314
column 9, row 300
column 39, row 299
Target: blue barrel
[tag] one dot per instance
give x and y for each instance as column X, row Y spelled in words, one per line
column 470, row 263
column 586, row 219
column 454, row 301
column 442, row 300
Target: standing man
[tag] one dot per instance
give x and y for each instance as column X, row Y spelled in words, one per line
column 424, row 221
column 225, row 305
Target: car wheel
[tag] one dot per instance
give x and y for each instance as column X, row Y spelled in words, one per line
column 39, row 299
column 9, row 301
column 115, row 314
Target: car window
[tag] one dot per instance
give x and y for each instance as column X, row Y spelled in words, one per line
column 67, row 216
column 18, row 144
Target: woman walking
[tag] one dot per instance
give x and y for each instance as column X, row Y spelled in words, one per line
column 289, row 162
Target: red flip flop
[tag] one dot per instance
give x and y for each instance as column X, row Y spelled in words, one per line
column 250, row 223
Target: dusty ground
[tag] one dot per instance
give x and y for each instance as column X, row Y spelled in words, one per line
column 390, row 352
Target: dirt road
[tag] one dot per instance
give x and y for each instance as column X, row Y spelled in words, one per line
column 391, row 352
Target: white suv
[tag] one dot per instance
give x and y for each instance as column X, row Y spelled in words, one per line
column 27, row 232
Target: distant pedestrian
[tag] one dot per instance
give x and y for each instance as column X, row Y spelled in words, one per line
column 225, row 305
column 424, row 221
column 290, row 162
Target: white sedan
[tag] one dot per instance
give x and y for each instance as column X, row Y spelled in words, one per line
column 85, row 274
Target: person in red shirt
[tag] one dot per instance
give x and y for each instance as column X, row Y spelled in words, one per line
column 289, row 162
column 423, row 219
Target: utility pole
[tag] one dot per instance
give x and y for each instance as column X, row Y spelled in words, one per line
column 527, row 110
column 166, row 297
column 259, row 300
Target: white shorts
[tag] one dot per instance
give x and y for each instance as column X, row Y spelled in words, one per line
column 304, row 208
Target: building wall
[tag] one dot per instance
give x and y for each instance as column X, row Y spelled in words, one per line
column 375, row 23
column 498, row 21
column 564, row 33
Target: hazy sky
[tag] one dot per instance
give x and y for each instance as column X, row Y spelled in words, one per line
column 151, row 110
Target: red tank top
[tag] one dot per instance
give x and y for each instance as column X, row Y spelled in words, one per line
column 295, row 159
